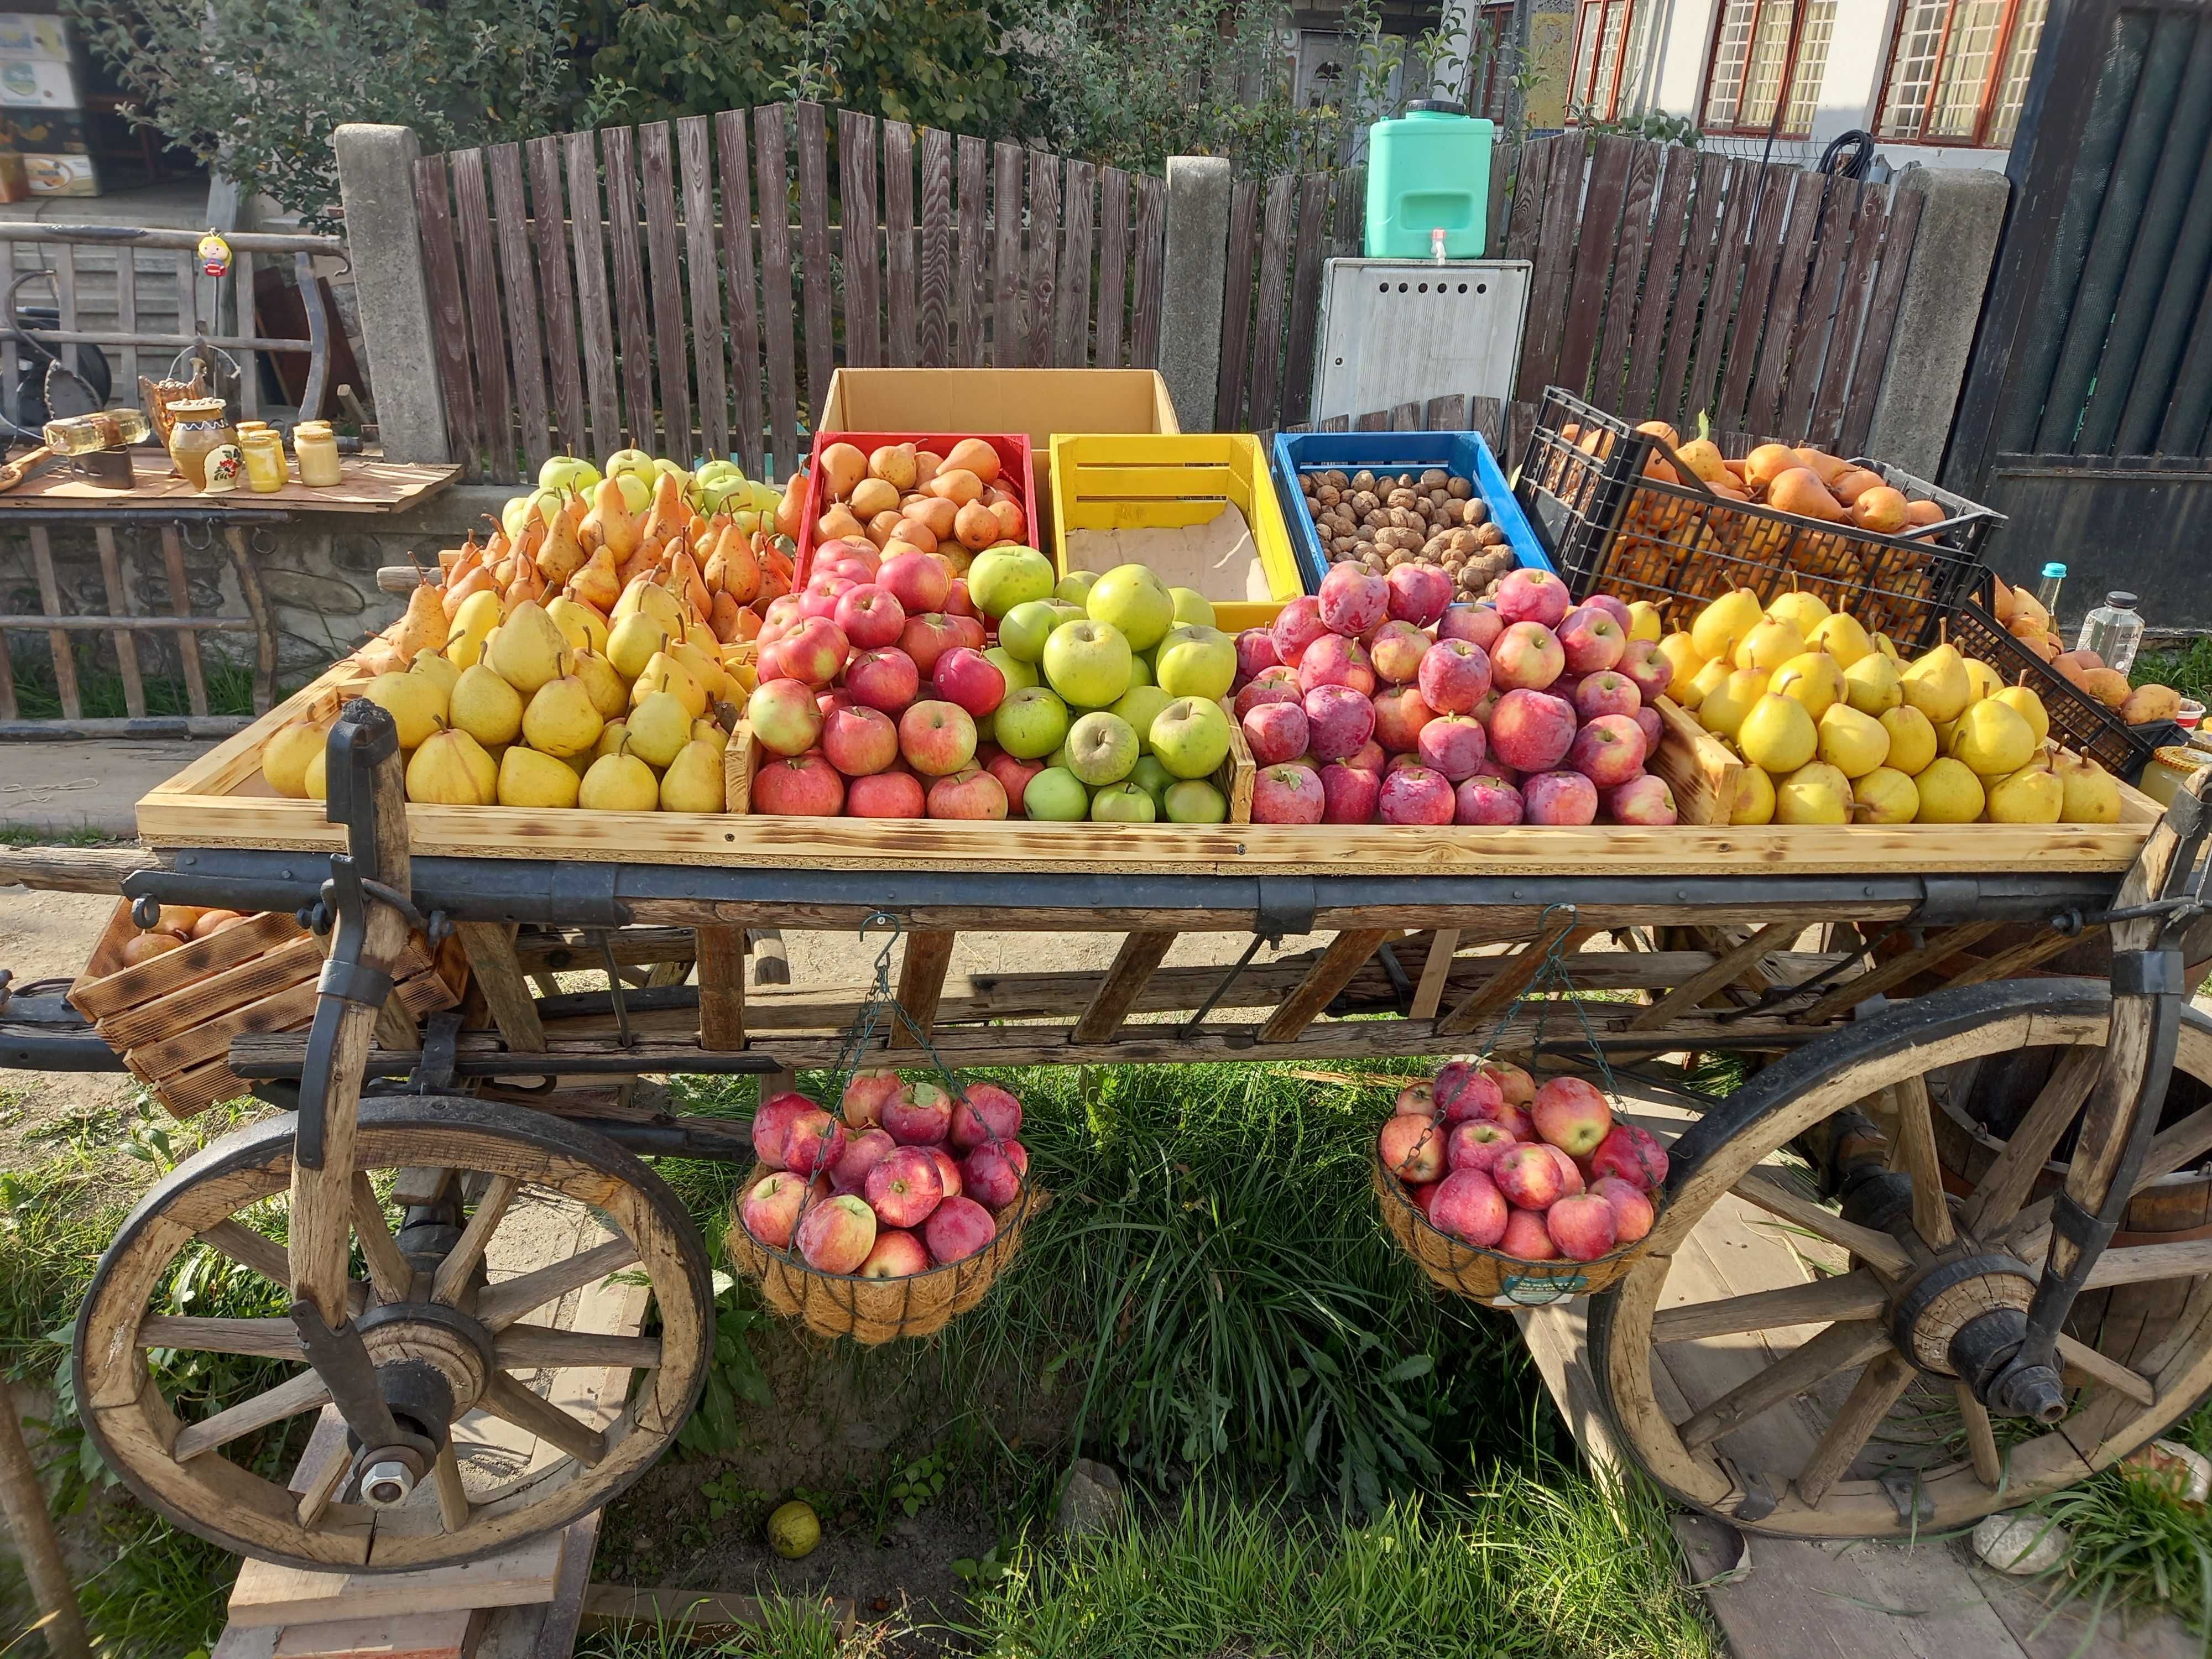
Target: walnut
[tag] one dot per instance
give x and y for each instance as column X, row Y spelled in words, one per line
column 1372, row 561
column 1336, row 480
column 1364, row 480
column 1405, row 480
column 1489, row 535
column 1328, row 495
column 1460, row 489
column 1401, row 497
column 1476, row 511
column 1438, row 500
column 1365, row 500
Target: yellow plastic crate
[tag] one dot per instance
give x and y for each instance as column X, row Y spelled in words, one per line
column 1163, row 501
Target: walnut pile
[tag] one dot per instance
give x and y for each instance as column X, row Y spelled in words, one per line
column 1382, row 520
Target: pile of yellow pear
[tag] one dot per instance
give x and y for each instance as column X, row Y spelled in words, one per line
column 549, row 705
column 1837, row 727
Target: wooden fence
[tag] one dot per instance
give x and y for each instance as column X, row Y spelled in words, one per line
column 678, row 288
column 1666, row 282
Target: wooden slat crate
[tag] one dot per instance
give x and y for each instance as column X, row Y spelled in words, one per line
column 172, row 1018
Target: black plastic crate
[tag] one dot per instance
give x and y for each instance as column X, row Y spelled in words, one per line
column 2078, row 721
column 1610, row 526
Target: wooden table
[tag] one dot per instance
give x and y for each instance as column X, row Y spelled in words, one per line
column 366, row 485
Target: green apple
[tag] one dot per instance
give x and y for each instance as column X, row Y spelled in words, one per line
column 1004, row 577
column 1140, row 706
column 1056, row 795
column 1058, row 757
column 1192, row 606
column 1075, row 586
column 1102, row 748
column 1024, row 630
column 1154, row 779
column 566, row 472
column 636, row 490
column 1066, row 612
column 1196, row 660
column 1140, row 670
column 1087, row 663
column 1020, row 675
column 1191, row 736
column 1123, row 803
column 629, row 460
column 1135, row 600
column 514, row 515
column 1195, row 801
column 1030, row 722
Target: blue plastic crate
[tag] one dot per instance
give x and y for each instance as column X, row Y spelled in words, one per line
column 1463, row 454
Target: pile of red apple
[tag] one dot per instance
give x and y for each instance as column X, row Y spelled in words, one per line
column 1538, row 1175
column 1380, row 700
column 903, row 1179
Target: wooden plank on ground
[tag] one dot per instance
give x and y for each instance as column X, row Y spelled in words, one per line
column 933, row 302
column 557, row 292
column 633, row 309
column 814, row 274
column 656, row 162
column 595, row 310
column 732, row 163
column 898, row 244
column 512, row 216
column 1113, row 265
column 772, row 202
column 268, row 1594
column 972, row 255
column 694, row 146
column 397, row 1636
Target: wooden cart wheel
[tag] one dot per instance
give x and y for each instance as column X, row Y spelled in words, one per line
column 423, row 1300
column 1823, row 1403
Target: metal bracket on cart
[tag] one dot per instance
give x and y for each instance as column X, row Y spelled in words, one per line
column 1285, row 905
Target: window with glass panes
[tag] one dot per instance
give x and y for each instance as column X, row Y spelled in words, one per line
column 1600, row 32
column 1958, row 70
column 1762, row 50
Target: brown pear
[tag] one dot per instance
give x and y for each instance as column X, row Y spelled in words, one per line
column 596, row 584
column 562, row 555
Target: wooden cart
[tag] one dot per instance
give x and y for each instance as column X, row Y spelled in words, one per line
column 1895, row 983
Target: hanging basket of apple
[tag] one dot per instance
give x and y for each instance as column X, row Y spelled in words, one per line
column 1507, row 1193
column 888, row 1216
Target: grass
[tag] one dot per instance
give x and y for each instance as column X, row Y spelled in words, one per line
column 2187, row 670
column 18, row 835
column 100, row 690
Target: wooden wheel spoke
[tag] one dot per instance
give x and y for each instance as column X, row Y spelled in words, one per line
column 263, row 1339
column 453, row 1497
column 461, row 1261
column 1916, row 1157
column 305, row 1391
column 257, row 1251
column 1771, row 1192
column 389, row 1274
column 2080, row 1357
column 500, row 1305
column 1880, row 1386
column 525, row 1347
column 1856, row 1295
column 326, row 1483
column 2005, row 1185
column 1981, row 1439
column 504, row 1397
column 1838, row 1348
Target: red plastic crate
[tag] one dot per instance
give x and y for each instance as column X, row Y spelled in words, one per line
column 1017, row 476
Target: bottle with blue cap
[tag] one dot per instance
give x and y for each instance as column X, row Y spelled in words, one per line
column 2046, row 595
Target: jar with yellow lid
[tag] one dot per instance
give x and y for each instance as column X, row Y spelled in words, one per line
column 2171, row 767
column 199, row 426
column 264, row 461
column 316, row 448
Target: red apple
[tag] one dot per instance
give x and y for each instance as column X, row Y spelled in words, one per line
column 1530, row 1176
column 967, row 677
column 1560, row 798
column 1465, row 1091
column 1533, row 595
column 1289, row 794
column 860, row 741
column 922, row 1116
column 1515, row 1087
column 1487, row 800
column 1648, row 722
column 897, row 1254
column 799, row 787
column 1628, row 1153
column 866, row 1093
column 919, row 582
column 1297, row 626
column 1455, row 675
column 1454, row 744
column 886, row 795
column 1616, row 609
column 904, row 1187
column 1368, row 757
column 936, row 737
column 958, row 602
column 863, row 1152
column 1416, row 1100
column 1340, row 720
column 1418, row 593
column 1606, row 693
column 885, row 679
column 1399, row 713
column 770, row 1210
column 1013, row 776
column 1276, row 685
column 1349, row 793
column 1650, row 672
column 1532, row 731
column 1255, row 650
column 1422, row 1193
column 781, row 616
column 1633, row 1214
column 837, row 550
column 784, row 717
column 814, row 652
column 813, row 1143
column 1276, row 732
column 1334, row 659
column 1468, row 1206
column 1477, row 1145
column 1396, row 649
column 968, row 630
column 985, row 1112
column 870, row 616
column 928, row 635
column 1590, row 640
column 772, row 1122
column 1353, row 598
column 947, row 1170
column 1581, row 1224
column 1571, row 1173
column 1413, row 1148
column 820, row 596
column 1645, row 800
column 1414, row 795
column 1607, row 751
column 992, row 1176
column 1572, row 1115
column 971, row 793
column 1525, row 1239
column 957, row 1229
column 835, row 1237
column 1478, row 624
column 1526, row 656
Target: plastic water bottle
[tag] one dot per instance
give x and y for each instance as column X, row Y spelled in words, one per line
column 2113, row 631
column 2046, row 595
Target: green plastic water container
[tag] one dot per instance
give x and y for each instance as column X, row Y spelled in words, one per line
column 1428, row 169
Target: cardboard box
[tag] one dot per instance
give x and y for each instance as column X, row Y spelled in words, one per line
column 62, row 175
column 37, row 83
column 46, row 132
column 31, row 34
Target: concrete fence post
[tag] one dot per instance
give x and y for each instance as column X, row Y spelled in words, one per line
column 376, row 182
column 1956, row 248
column 1191, row 288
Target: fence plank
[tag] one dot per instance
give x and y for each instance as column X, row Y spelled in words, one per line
column 1882, row 316
column 557, row 289
column 1487, row 416
column 974, row 253
column 933, row 328
column 1670, row 399
column 898, row 242
column 1609, row 362
column 856, row 174
column 772, row 175
column 118, row 604
column 709, row 345
column 1305, row 298
column 50, row 596
column 1648, row 334
column 126, row 312
column 1446, row 414
column 1267, row 322
column 1151, row 252
column 1349, row 215
column 1499, row 203
column 1113, row 265
column 1555, row 239
column 1780, row 300
column 734, row 166
column 1236, row 307
column 1821, row 330
column 529, row 363
column 1006, row 256
column 487, row 323
column 814, row 275
column 594, row 319
column 1594, row 258
column 1044, row 255
column 657, row 157
column 1073, row 348
column 1772, row 215
column 441, row 274
column 1534, row 174
column 633, row 312
column 1825, row 422
column 1724, row 275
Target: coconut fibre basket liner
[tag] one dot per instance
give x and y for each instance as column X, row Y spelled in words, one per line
column 878, row 1310
column 1484, row 1275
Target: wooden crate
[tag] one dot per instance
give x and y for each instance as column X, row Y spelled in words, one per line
column 172, row 1019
